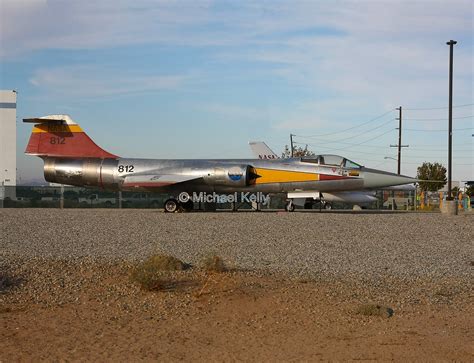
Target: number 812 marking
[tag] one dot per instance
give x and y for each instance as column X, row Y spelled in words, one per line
column 126, row 168
column 57, row 140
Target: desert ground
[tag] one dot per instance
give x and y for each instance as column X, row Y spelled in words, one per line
column 298, row 286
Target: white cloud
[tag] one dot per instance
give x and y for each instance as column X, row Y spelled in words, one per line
column 92, row 81
column 363, row 57
column 35, row 25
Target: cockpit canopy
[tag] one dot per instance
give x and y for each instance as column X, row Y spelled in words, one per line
column 331, row 160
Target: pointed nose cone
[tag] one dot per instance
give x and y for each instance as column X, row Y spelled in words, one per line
column 378, row 179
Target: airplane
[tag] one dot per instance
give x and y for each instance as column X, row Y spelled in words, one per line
column 307, row 199
column 72, row 158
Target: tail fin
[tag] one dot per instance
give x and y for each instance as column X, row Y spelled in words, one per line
column 262, row 151
column 60, row 136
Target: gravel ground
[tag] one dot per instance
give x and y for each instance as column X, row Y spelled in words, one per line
column 328, row 245
column 299, row 280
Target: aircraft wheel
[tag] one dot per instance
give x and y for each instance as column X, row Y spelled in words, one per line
column 171, row 206
column 290, row 207
column 327, row 206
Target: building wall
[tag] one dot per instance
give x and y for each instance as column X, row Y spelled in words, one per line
column 7, row 138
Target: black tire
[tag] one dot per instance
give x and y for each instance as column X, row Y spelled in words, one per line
column 327, row 206
column 171, row 205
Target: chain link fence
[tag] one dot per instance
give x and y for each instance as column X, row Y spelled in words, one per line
column 74, row 197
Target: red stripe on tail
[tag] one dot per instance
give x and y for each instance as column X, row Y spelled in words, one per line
column 49, row 140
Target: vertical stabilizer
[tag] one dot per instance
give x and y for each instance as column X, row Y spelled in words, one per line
column 60, row 136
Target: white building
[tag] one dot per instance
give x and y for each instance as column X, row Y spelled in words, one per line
column 8, row 142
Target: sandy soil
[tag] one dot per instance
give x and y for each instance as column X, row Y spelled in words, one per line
column 228, row 317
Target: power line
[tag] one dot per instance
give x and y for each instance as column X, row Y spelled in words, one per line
column 352, row 151
column 437, row 119
column 414, row 148
column 357, row 144
column 323, row 141
column 350, row 128
column 357, row 135
column 438, row 130
column 418, row 163
column 438, row 108
column 458, row 144
column 408, row 156
column 438, row 157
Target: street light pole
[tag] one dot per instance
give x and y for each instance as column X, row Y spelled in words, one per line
column 291, row 144
column 451, row 44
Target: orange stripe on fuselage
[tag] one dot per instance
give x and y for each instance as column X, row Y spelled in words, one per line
column 283, row 176
column 41, row 128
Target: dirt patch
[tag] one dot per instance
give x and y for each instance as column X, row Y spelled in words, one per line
column 92, row 311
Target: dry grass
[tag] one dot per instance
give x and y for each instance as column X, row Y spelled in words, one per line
column 445, row 291
column 154, row 273
column 8, row 281
column 375, row 310
column 213, row 263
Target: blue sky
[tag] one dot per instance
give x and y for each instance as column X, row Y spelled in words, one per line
column 199, row 79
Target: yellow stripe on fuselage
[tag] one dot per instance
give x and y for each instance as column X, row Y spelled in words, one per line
column 56, row 128
column 283, row 176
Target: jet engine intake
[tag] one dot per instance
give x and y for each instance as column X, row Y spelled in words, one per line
column 234, row 176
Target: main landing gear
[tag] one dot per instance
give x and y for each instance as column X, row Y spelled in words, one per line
column 290, row 206
column 308, row 204
column 174, row 206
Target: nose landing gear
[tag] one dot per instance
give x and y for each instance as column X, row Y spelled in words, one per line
column 172, row 205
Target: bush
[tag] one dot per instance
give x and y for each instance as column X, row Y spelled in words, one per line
column 8, row 281
column 164, row 263
column 151, row 274
column 213, row 263
column 375, row 310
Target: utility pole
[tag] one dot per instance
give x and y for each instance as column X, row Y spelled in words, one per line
column 399, row 139
column 451, row 44
column 399, row 146
column 291, row 143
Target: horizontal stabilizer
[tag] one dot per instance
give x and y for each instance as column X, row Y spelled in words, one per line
column 65, row 119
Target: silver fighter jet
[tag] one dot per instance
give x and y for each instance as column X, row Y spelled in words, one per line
column 72, row 158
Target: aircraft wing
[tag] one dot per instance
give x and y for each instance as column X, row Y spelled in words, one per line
column 156, row 180
column 343, row 196
column 262, row 151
